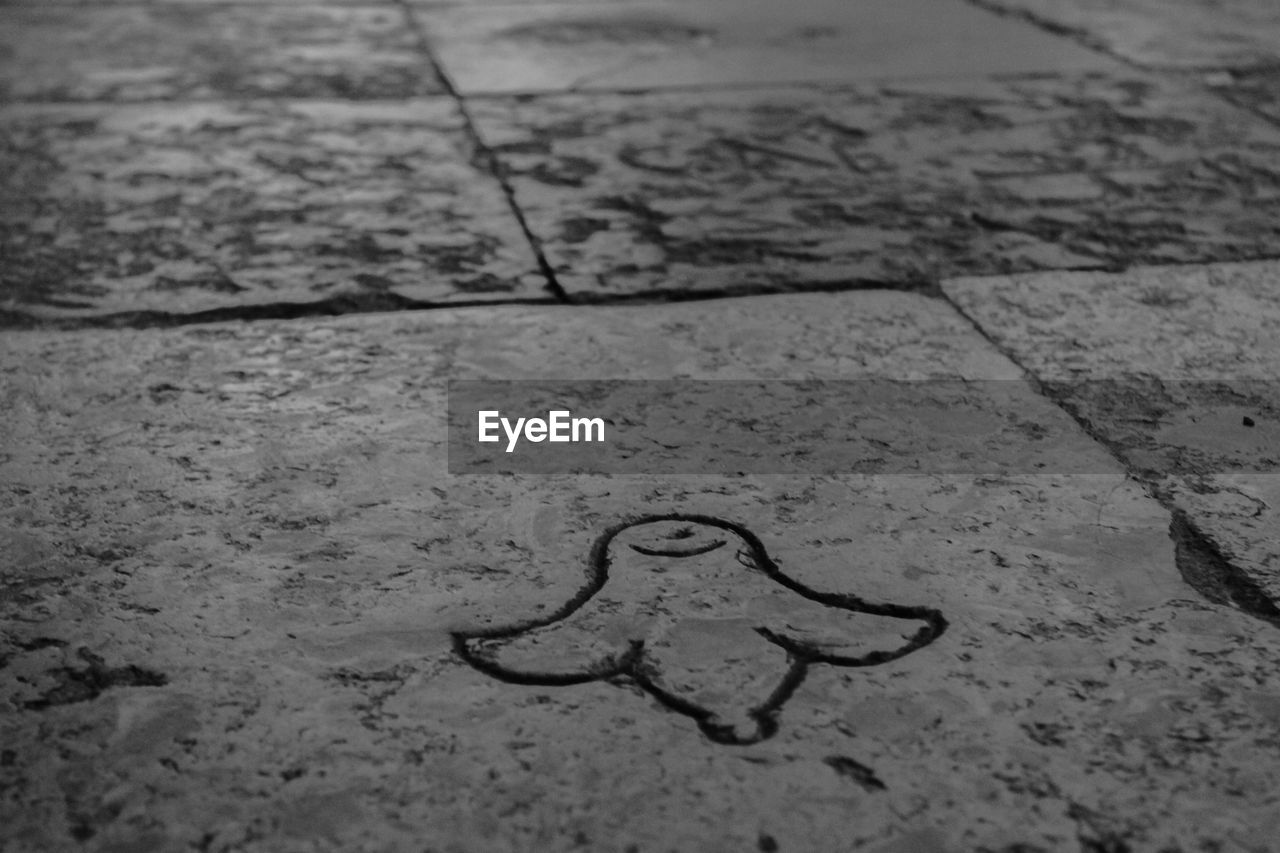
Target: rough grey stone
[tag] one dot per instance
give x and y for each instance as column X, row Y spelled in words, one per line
column 184, row 208
column 1176, row 368
column 899, row 183
column 174, row 51
column 633, row 45
column 234, row 560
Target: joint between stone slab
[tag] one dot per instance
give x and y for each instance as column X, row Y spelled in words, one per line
column 333, row 307
column 1079, row 36
column 930, row 289
column 488, row 161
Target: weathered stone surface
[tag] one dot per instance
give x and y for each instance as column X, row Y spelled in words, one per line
column 171, row 51
column 903, row 183
column 196, row 207
column 1165, row 33
column 1177, row 368
column 634, row 46
column 235, row 558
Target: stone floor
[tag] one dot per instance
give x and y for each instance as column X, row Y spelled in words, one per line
column 252, row 599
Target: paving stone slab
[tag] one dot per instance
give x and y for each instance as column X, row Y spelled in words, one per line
column 183, row 51
column 242, row 590
column 183, row 208
column 897, row 183
column 632, row 46
column 1177, row 368
column 1165, row 33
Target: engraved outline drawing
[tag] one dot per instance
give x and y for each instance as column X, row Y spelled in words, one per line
column 633, row 667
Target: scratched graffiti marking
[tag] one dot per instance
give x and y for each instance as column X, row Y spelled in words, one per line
column 694, row 611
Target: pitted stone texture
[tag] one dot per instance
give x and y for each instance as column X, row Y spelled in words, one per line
column 1193, row 405
column 190, row 208
column 1164, row 33
column 636, row 46
column 903, row 183
column 176, row 51
column 260, row 517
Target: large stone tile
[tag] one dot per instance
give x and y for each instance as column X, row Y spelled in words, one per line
column 190, row 208
column 236, row 558
column 902, row 183
column 180, row 51
column 1165, row 33
column 632, row 46
column 1176, row 368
